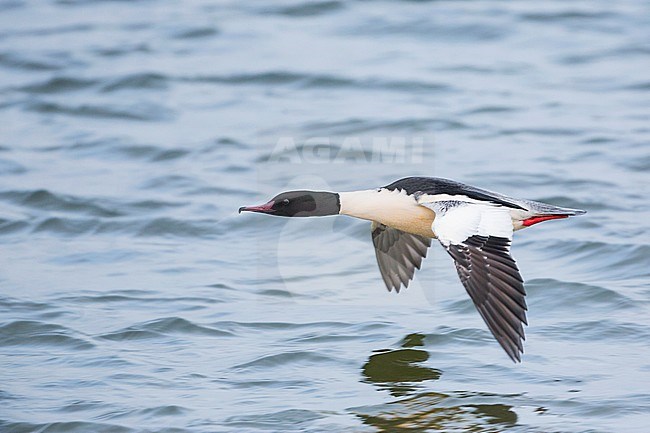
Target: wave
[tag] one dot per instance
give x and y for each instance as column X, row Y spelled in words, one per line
column 614, row 260
column 321, row 81
column 307, row 9
column 569, row 16
column 285, row 359
column 64, row 427
column 195, row 33
column 156, row 227
column 36, row 334
column 286, row 420
column 164, row 327
column 121, row 149
column 138, row 81
column 548, row 294
column 60, row 84
column 31, row 62
column 606, row 329
column 45, row 200
column 146, row 112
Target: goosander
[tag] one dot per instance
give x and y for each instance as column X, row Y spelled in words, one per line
column 474, row 225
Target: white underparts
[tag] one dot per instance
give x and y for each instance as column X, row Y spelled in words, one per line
column 456, row 221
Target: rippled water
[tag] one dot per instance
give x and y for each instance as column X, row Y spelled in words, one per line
column 133, row 298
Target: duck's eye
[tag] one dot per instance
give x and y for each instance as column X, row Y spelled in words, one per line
column 285, row 201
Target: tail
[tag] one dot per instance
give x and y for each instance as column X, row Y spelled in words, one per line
column 537, row 212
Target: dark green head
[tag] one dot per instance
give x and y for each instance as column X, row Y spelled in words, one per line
column 299, row 204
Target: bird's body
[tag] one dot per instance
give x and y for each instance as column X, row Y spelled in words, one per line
column 395, row 209
column 475, row 226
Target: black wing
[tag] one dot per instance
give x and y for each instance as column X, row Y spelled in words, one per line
column 491, row 278
column 438, row 185
column 398, row 254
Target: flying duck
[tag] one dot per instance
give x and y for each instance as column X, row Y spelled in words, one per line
column 474, row 225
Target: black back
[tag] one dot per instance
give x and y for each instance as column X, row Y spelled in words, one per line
column 438, row 185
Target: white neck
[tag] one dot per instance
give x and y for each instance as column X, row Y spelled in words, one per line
column 393, row 208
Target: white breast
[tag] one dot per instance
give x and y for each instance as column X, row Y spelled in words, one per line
column 395, row 209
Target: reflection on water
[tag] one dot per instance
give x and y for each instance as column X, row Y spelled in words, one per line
column 431, row 411
column 398, row 372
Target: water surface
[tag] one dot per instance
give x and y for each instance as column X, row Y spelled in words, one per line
column 133, row 298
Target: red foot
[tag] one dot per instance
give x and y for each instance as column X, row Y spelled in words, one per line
column 538, row 219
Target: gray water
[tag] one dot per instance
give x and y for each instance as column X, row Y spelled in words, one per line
column 133, row 298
